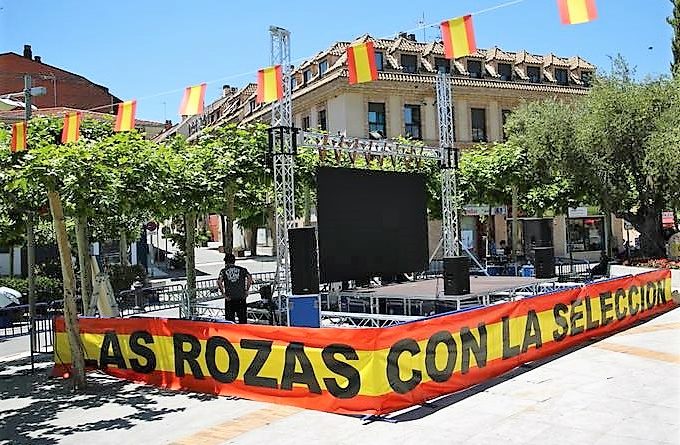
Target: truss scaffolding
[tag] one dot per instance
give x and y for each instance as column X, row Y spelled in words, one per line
column 281, row 145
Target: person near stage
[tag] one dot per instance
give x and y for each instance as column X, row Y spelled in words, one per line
column 505, row 249
column 234, row 283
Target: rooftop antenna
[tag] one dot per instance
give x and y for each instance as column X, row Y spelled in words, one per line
column 421, row 24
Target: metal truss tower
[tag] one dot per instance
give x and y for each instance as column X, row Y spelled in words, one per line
column 282, row 140
column 449, row 164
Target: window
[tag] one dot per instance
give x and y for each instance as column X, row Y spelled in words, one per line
column 379, row 60
column 321, row 120
column 505, row 71
column 441, row 63
column 323, row 67
column 305, row 123
column 293, row 82
column 504, row 118
column 534, row 74
column 478, row 124
column 409, row 63
column 306, row 76
column 376, row 120
column 412, row 121
column 561, row 76
column 585, row 234
column 251, row 105
column 474, row 67
column 587, row 78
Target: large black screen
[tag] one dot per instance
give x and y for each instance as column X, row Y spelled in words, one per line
column 370, row 223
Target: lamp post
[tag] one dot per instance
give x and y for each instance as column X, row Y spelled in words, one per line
column 29, row 93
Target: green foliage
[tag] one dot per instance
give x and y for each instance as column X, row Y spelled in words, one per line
column 46, row 288
column 617, row 147
column 122, row 277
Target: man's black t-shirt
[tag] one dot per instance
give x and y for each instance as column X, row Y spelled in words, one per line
column 234, row 278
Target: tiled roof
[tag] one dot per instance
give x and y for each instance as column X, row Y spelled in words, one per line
column 233, row 109
column 577, row 62
column 458, row 81
column 525, row 57
column 553, row 60
column 496, row 53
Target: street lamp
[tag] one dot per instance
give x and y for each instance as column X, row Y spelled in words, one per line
column 29, row 93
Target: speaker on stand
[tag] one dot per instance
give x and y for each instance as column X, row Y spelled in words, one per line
column 304, row 263
column 544, row 262
column 304, row 305
column 456, row 275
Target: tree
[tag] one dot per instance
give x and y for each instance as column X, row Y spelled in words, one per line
column 41, row 168
column 196, row 180
column 674, row 21
column 240, row 154
column 614, row 146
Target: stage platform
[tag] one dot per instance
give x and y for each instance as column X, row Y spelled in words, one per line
column 434, row 287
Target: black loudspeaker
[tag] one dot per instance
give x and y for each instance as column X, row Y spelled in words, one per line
column 456, row 275
column 304, row 263
column 544, row 262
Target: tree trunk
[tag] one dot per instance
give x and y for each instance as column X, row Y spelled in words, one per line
column 70, row 311
column 515, row 224
column 648, row 223
column 253, row 241
column 271, row 224
column 123, row 246
column 608, row 234
column 84, row 261
column 11, row 261
column 228, row 223
column 307, row 205
column 190, row 263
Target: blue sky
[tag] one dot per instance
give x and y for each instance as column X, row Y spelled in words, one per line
column 152, row 49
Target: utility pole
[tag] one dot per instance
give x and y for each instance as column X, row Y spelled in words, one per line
column 30, row 238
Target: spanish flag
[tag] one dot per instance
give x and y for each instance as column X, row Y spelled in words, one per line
column 125, row 120
column 573, row 12
column 459, row 37
column 71, row 131
column 361, row 63
column 18, row 137
column 269, row 84
column 192, row 103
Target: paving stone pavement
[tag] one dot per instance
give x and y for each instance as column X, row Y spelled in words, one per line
column 624, row 389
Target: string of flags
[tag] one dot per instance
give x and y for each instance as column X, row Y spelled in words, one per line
column 361, row 63
column 193, row 100
column 269, row 84
column 458, row 36
column 71, row 130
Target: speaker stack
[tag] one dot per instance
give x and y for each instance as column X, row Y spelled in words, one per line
column 456, row 275
column 544, row 262
column 304, row 264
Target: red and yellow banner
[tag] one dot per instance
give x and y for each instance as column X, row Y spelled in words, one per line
column 125, row 119
column 18, row 137
column 573, row 12
column 459, row 37
column 71, row 131
column 269, row 84
column 361, row 63
column 363, row 370
column 193, row 100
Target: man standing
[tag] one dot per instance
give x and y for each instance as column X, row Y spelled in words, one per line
column 234, row 283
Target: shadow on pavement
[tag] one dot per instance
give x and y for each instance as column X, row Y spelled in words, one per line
column 434, row 405
column 32, row 404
